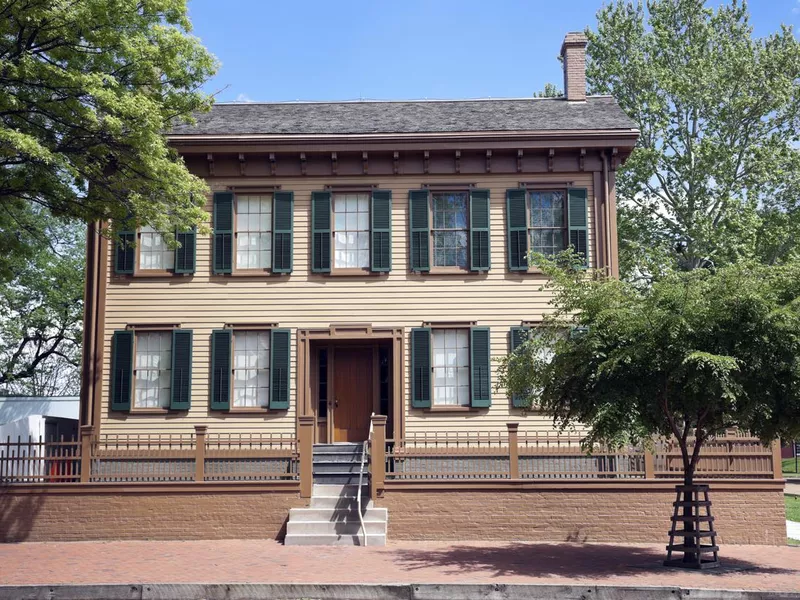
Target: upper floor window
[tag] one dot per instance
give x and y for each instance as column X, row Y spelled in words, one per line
column 253, row 232
column 450, row 229
column 351, row 231
column 154, row 253
column 153, row 369
column 547, row 221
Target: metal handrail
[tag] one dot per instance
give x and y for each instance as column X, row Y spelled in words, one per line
column 361, row 478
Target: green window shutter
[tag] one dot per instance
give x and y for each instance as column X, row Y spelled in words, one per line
column 185, row 255
column 320, row 232
column 282, row 211
column 125, row 255
column 381, row 231
column 577, row 221
column 121, row 369
column 480, row 367
column 421, row 367
column 221, row 369
column 223, row 233
column 517, row 220
column 479, row 234
column 181, row 392
column 280, row 346
column 418, row 211
column 516, row 336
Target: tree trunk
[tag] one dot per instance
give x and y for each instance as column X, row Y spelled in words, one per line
column 689, row 466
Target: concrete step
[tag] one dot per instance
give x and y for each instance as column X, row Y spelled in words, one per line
column 343, row 503
column 338, row 490
column 300, row 539
column 338, row 448
column 337, row 515
column 354, row 457
column 335, row 527
column 338, row 478
column 337, row 467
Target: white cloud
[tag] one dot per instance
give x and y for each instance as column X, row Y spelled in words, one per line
column 796, row 9
column 244, row 98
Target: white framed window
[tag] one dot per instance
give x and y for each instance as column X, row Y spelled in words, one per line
column 154, row 253
column 450, row 229
column 254, row 232
column 251, row 356
column 153, row 369
column 547, row 224
column 351, row 230
column 451, row 367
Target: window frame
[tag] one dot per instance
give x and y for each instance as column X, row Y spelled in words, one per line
column 235, row 269
column 347, row 271
column 439, row 325
column 243, row 328
column 528, row 212
column 452, row 269
column 140, row 272
column 165, row 329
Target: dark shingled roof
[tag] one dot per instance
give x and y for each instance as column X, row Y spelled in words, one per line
column 433, row 116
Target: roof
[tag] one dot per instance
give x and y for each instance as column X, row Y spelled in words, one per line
column 409, row 117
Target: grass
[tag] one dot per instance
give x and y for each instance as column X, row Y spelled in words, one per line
column 792, row 508
column 792, row 542
column 788, row 465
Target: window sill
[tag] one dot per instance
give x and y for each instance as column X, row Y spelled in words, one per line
column 456, row 409
column 451, row 271
column 248, row 410
column 149, row 411
column 352, row 273
column 154, row 274
column 256, row 273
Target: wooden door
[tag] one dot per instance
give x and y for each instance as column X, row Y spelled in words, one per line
column 352, row 394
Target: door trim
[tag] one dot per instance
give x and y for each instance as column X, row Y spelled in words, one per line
column 350, row 332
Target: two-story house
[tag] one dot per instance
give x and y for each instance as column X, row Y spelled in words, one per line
column 366, row 257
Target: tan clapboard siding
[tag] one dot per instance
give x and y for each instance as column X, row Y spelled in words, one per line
column 498, row 299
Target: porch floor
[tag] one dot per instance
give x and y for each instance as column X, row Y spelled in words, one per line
column 267, row 561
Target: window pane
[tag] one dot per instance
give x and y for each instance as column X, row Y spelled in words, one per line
column 253, row 232
column 251, row 369
column 154, row 254
column 450, row 229
column 351, row 238
column 547, row 222
column 451, row 367
column 153, row 366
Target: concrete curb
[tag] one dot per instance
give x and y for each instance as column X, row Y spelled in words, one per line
column 288, row 591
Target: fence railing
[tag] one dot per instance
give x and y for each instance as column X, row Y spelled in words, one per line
column 551, row 456
column 112, row 458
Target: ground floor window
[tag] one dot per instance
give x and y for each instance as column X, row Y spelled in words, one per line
column 153, row 375
column 251, row 369
column 451, row 367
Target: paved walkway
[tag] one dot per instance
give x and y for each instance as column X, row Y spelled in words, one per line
column 793, row 530
column 260, row 561
column 792, row 487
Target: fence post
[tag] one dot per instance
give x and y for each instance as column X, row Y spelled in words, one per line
column 777, row 462
column 200, row 452
column 513, row 450
column 305, row 448
column 87, row 431
column 649, row 464
column 377, row 456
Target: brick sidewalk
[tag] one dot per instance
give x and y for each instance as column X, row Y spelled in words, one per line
column 265, row 561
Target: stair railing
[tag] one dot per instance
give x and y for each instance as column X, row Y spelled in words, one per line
column 361, row 478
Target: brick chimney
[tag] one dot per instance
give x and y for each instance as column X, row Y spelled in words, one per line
column 573, row 53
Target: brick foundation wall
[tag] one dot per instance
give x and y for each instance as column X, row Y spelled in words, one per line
column 742, row 516
column 147, row 515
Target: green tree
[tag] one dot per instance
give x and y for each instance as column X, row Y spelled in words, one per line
column 715, row 177
column 87, row 91
column 549, row 91
column 41, row 309
column 693, row 354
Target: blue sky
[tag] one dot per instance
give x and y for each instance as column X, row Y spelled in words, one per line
column 279, row 50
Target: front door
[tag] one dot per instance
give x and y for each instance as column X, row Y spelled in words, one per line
column 352, row 394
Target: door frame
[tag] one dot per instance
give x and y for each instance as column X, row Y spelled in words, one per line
column 351, row 332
